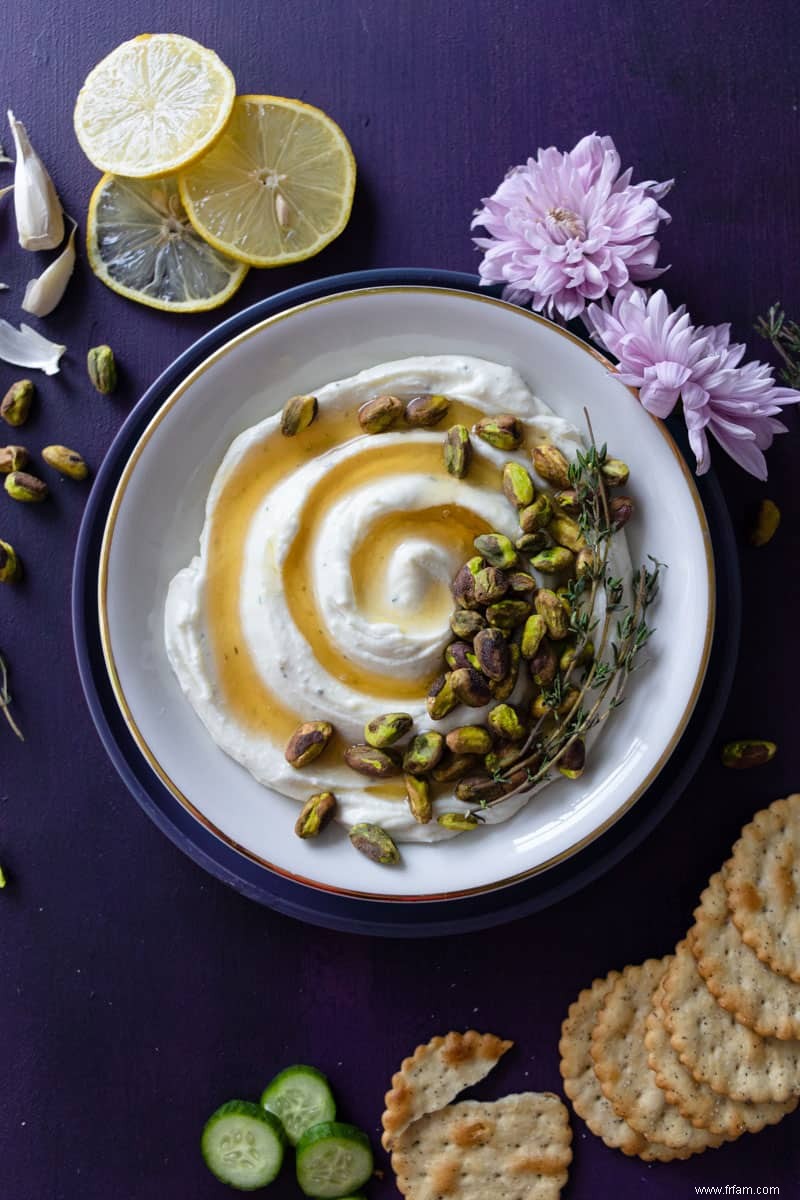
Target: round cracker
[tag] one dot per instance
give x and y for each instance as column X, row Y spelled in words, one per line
column 620, row 1061
column 577, row 1070
column 732, row 1059
column 763, row 884
column 757, row 996
column 701, row 1106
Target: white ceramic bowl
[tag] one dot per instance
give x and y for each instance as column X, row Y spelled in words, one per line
column 155, row 521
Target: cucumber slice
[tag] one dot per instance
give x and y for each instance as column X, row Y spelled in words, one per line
column 333, row 1159
column 299, row 1097
column 243, row 1145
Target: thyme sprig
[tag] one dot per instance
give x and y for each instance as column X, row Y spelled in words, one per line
column 574, row 711
column 784, row 337
column 5, row 700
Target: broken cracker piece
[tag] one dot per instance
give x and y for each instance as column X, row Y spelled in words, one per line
column 435, row 1074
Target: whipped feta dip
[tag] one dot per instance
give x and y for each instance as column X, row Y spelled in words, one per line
column 321, row 590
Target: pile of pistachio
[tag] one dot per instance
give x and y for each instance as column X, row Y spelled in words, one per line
column 504, row 622
column 20, row 484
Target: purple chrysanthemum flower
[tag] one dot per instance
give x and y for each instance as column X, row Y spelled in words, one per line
column 667, row 358
column 567, row 228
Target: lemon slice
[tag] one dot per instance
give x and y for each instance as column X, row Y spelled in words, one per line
column 277, row 186
column 140, row 243
column 153, row 105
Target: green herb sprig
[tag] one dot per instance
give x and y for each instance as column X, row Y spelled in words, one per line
column 624, row 634
column 784, row 336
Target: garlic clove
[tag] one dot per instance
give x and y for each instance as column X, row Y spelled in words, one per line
column 40, row 221
column 24, row 347
column 45, row 292
column 4, row 191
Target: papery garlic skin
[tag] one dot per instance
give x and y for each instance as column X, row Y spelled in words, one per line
column 45, row 292
column 40, row 220
column 24, row 347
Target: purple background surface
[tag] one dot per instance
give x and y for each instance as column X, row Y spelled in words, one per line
column 136, row 993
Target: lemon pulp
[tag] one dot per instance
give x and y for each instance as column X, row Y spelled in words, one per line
column 142, row 245
column 153, row 105
column 278, row 185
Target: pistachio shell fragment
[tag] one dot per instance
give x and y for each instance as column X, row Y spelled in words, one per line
column 307, row 742
column 504, row 432
column 491, row 653
column 316, row 813
column 768, row 518
column 298, row 413
column 537, row 515
column 10, row 566
column 418, row 793
column 518, row 485
column 13, row 458
column 375, row 844
column 462, row 822
column 548, row 605
column 67, row 461
column 457, row 451
column 465, row 623
column 441, row 698
column 748, row 752
column 15, row 406
column 368, row 760
column 26, row 488
column 427, row 410
column 102, row 369
column 387, row 729
column 550, row 464
column 469, row 739
column 497, row 549
column 424, row 753
column 380, row 414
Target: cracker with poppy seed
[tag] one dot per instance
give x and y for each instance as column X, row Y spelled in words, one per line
column 762, row 879
column 435, row 1074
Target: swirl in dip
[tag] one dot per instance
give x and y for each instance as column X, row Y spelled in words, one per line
column 322, row 587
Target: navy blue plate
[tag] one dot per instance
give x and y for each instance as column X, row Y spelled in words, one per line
column 398, row 919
